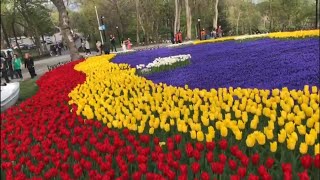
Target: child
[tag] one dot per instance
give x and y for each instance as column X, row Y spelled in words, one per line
column 16, row 63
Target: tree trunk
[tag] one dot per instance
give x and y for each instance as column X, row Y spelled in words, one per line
column 15, row 37
column 5, row 35
column 177, row 16
column 65, row 29
column 237, row 26
column 38, row 43
column 216, row 13
column 189, row 19
column 270, row 16
column 137, row 16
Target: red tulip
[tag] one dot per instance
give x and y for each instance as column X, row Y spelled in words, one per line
column 317, row 161
column 209, row 157
column 136, row 176
column 177, row 138
column 287, row 175
column 266, row 176
column 235, row 177
column 205, row 176
column 217, row 167
column 253, row 177
column 196, row 154
column 177, row 154
column 199, row 146
column 234, row 149
column 222, row 158
column 303, row 175
column 184, row 168
column 195, row 167
column 143, row 168
column 156, row 141
column 242, row 171
column 286, row 167
column 244, row 160
column 269, row 163
column 183, row 177
column 223, row 144
column 262, row 170
column 306, row 161
column 170, row 146
column 232, row 164
column 210, row 146
column 189, row 149
column 255, row 159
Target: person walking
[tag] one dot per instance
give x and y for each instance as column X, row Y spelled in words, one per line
column 28, row 63
column 219, row 32
column 87, row 46
column 16, row 63
column 4, row 69
column 98, row 45
column 128, row 43
column 9, row 64
column 113, row 43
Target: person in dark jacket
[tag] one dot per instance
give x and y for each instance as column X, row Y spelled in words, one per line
column 28, row 63
column 113, row 43
column 4, row 69
column 9, row 64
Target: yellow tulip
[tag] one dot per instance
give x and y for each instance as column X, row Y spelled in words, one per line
column 309, row 139
column 303, row 148
column 250, row 141
column 273, row 146
column 209, row 138
column 238, row 135
column 224, row 131
column 151, row 131
column 310, row 122
column 193, row 134
column 200, row 136
column 317, row 149
column 241, row 124
column 314, row 89
column 261, row 138
column 282, row 136
column 302, row 129
column 289, row 127
column 269, row 133
column 291, row 144
column 280, row 121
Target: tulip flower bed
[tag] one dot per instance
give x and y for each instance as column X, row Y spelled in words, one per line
column 99, row 120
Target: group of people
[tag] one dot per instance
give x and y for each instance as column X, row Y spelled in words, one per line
column 11, row 66
column 57, row 48
column 215, row 33
column 126, row 45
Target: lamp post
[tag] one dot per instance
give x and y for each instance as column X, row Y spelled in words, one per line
column 106, row 45
column 120, row 41
column 199, row 28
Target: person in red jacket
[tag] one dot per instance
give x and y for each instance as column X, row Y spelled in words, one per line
column 179, row 37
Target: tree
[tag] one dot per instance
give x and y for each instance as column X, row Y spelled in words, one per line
column 65, row 28
column 216, row 13
column 177, row 16
column 188, row 19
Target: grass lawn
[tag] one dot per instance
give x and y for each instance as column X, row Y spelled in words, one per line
column 27, row 89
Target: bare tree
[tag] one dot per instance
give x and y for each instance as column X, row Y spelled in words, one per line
column 188, row 19
column 65, row 28
column 177, row 16
column 216, row 13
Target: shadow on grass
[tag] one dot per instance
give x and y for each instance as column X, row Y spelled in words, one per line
column 28, row 88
